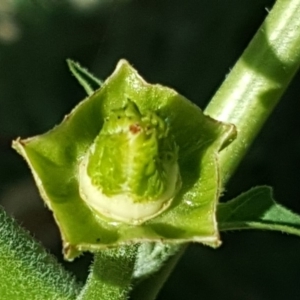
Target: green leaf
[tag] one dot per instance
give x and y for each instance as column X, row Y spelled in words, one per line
column 89, row 82
column 256, row 209
column 54, row 159
column 27, row 271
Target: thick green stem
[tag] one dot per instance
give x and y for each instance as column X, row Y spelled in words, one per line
column 110, row 277
column 254, row 86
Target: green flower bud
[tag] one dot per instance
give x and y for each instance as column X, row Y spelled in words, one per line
column 130, row 173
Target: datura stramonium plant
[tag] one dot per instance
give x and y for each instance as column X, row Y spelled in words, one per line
column 132, row 162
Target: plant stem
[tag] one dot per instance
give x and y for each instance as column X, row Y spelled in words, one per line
column 254, row 86
column 110, row 277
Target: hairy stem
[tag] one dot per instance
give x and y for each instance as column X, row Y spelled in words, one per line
column 254, row 86
column 110, row 277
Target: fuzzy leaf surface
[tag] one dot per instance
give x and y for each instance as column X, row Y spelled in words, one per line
column 27, row 271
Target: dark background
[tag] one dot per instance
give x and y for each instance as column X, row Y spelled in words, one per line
column 189, row 45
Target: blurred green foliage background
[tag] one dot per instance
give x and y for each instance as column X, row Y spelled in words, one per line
column 189, row 45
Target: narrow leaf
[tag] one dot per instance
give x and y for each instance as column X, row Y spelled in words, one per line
column 256, row 209
column 89, row 82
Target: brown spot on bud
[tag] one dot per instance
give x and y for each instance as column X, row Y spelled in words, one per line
column 135, row 128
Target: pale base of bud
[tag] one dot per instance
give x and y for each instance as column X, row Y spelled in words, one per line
column 122, row 207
